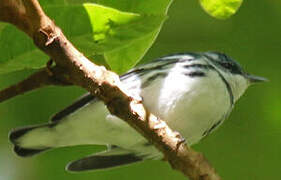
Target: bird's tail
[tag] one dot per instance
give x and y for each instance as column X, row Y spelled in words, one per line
column 32, row 140
column 29, row 141
column 110, row 158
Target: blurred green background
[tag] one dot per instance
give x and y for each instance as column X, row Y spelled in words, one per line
column 246, row 147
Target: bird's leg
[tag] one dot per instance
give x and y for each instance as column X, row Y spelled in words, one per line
column 49, row 67
column 181, row 140
column 57, row 75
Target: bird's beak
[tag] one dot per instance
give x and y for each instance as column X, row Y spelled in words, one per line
column 255, row 79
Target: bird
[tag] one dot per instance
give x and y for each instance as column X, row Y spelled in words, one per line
column 193, row 92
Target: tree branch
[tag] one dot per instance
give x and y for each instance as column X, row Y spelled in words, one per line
column 44, row 77
column 107, row 87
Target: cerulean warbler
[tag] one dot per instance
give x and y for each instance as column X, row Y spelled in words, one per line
column 193, row 92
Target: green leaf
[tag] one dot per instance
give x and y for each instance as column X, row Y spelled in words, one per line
column 156, row 7
column 221, row 9
column 17, row 51
column 124, row 58
column 118, row 35
column 123, row 38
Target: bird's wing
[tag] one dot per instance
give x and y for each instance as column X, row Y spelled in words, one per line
column 87, row 98
column 82, row 101
column 136, row 72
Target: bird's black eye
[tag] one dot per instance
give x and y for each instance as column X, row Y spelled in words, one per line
column 229, row 64
column 226, row 65
column 225, row 62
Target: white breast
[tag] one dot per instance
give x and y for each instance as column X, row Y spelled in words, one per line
column 190, row 105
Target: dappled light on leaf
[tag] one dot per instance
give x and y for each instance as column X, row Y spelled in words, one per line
column 122, row 37
column 221, row 9
column 120, row 34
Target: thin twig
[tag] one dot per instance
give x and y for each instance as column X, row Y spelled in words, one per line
column 107, row 87
column 37, row 80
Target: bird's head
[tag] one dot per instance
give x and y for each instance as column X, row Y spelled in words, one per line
column 238, row 79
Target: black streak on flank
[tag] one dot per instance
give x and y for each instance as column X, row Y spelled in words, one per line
column 208, row 131
column 164, row 62
column 200, row 66
column 149, row 80
column 195, row 74
column 228, row 89
column 231, row 97
column 143, row 71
